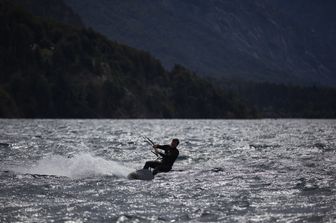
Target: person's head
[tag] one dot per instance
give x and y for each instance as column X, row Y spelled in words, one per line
column 174, row 143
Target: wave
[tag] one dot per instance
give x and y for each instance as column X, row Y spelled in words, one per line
column 78, row 166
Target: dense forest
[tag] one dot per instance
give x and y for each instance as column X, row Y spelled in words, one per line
column 53, row 9
column 285, row 101
column 52, row 70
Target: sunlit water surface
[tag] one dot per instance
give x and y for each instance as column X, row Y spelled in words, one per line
column 228, row 171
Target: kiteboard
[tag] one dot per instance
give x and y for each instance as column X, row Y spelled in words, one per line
column 142, row 174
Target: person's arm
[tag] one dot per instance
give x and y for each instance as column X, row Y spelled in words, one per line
column 162, row 147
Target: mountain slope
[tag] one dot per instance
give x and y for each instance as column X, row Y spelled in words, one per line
column 237, row 39
column 51, row 70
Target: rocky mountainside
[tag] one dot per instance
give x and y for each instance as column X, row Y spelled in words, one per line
column 277, row 41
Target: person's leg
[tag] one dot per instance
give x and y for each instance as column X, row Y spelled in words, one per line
column 161, row 168
column 151, row 164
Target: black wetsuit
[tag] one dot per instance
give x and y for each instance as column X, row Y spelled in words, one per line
column 168, row 159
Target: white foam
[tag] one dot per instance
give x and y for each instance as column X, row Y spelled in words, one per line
column 78, row 166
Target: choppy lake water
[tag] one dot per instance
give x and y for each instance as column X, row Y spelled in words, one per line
column 228, row 171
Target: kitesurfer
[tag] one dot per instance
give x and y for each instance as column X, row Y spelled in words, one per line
column 168, row 157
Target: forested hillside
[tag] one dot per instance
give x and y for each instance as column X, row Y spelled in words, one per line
column 52, row 70
column 53, row 9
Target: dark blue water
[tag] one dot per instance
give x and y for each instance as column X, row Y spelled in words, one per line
column 228, row 171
